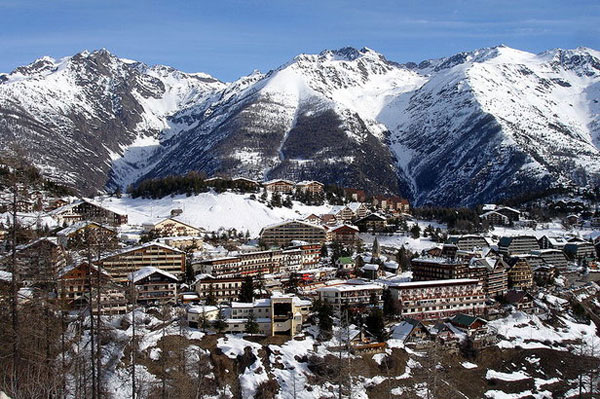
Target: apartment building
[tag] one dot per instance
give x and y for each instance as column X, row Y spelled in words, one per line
column 279, row 186
column 154, row 286
column 436, row 299
column 312, row 186
column 520, row 274
column 163, row 257
column 74, row 282
column 281, row 314
column 438, row 268
column 468, row 242
column 282, row 234
column 554, row 257
column 492, row 273
column 170, row 227
column 344, row 296
column 517, row 245
column 221, row 289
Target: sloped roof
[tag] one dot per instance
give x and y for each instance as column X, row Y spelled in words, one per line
column 148, row 271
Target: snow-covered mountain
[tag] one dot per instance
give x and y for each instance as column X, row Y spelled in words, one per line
column 469, row 128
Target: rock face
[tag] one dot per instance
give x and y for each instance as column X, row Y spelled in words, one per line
column 470, row 128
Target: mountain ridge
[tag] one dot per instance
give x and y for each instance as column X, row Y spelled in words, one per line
column 457, row 130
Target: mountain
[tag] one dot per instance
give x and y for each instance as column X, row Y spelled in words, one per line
column 474, row 127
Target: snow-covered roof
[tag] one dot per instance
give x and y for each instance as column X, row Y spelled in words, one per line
column 278, row 181
column 354, row 206
column 307, row 182
column 335, row 228
column 370, row 267
column 80, row 225
column 145, row 245
column 199, row 309
column 350, row 287
column 5, row 276
column 148, row 271
column 294, row 221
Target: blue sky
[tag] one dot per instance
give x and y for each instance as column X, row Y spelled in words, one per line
column 230, row 38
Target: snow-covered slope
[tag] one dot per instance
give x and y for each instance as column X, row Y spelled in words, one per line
column 469, row 128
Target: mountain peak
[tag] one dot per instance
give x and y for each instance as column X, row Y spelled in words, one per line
column 349, row 54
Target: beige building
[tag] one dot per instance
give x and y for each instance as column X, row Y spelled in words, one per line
column 279, row 186
column 439, row 298
column 520, row 275
column 281, row 314
column 163, row 257
column 312, row 186
column 351, row 295
column 282, row 234
column 170, row 227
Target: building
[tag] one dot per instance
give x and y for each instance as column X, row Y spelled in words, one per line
column 392, row 204
column 344, row 234
column 281, row 314
column 372, row 223
column 359, row 210
column 163, row 257
column 154, row 286
column 220, row 289
column 554, row 257
column 98, row 213
column 495, row 219
column 520, row 274
column 493, row 274
column 282, row 234
column 436, row 299
column 344, row 296
column 512, row 214
column 245, row 184
column 38, row 261
column 432, row 268
column 580, row 251
column 549, row 242
column 342, row 213
column 521, row 301
column 199, row 313
column 76, row 235
column 310, row 186
column 517, row 245
column 261, row 262
column 113, row 301
column 76, row 281
column 468, row 242
column 355, row 194
column 170, row 227
column 279, row 186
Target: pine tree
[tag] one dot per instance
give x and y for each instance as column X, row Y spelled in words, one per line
column 390, row 306
column 251, row 326
column 220, row 324
column 247, row 290
column 325, row 321
column 376, row 324
column 415, row 231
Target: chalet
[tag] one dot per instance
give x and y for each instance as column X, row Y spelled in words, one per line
column 372, row 223
column 76, row 281
column 170, row 227
column 310, row 186
column 520, row 274
column 99, row 213
column 521, row 301
column 344, row 296
column 344, row 234
column 329, row 219
column 163, row 257
column 359, row 210
column 154, row 286
column 474, row 327
column 215, row 180
column 512, row 214
column 342, row 213
column 411, row 332
column 76, row 235
column 183, row 242
column 113, row 301
column 283, row 233
column 550, row 242
column 517, row 245
column 495, row 218
column 371, row 271
column 56, row 203
column 492, row 272
column 38, row 261
column 245, row 184
column 279, row 186
column 439, row 298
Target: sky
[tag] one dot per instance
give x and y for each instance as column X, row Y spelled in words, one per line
column 231, row 38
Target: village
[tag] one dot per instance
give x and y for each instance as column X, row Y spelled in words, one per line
column 361, row 272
